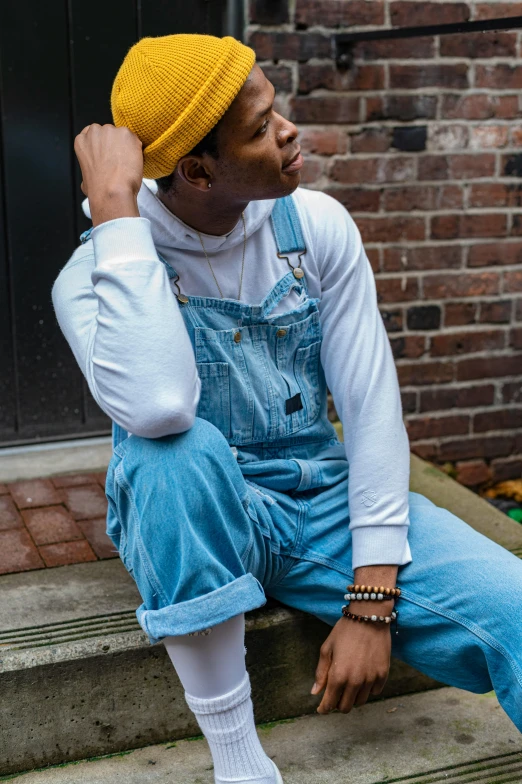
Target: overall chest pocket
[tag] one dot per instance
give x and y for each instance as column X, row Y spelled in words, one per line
column 214, row 403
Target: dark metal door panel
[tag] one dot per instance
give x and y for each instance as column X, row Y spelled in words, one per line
column 57, row 63
column 39, row 210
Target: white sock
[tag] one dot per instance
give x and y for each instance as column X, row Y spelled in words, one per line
column 227, row 723
column 209, row 666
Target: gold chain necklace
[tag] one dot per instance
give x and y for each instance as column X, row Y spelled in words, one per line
column 242, row 262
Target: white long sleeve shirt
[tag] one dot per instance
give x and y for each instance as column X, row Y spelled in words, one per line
column 116, row 307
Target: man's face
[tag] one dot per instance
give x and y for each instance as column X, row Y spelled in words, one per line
column 255, row 142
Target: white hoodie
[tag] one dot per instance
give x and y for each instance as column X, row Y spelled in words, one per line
column 115, row 305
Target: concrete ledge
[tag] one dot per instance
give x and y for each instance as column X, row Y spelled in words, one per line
column 61, row 457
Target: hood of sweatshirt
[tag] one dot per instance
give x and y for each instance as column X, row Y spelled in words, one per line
column 169, row 231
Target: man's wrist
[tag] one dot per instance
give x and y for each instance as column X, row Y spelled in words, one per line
column 111, row 204
column 377, row 576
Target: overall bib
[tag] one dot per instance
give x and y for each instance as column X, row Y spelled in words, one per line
column 253, row 501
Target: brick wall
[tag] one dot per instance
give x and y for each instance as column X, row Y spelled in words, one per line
column 421, row 140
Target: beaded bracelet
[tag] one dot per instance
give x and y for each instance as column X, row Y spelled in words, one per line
column 366, row 592
column 387, row 619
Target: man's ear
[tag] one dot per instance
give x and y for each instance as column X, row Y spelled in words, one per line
column 192, row 171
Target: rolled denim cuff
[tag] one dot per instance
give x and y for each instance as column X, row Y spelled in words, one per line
column 240, row 596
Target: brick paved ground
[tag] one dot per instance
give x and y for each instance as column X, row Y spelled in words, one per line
column 53, row 522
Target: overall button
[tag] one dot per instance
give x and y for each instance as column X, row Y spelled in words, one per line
column 281, row 333
column 237, row 337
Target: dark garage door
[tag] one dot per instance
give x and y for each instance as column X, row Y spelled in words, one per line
column 57, row 62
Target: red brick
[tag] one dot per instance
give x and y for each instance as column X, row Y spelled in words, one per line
column 17, row 552
column 74, row 480
column 499, row 77
column 67, row 553
column 473, row 473
column 518, row 310
column 456, row 314
column 488, row 367
column 434, row 167
column 507, row 468
column 391, row 229
column 324, row 109
column 421, row 373
column 465, row 449
column 393, row 290
column 479, row 106
column 326, row 76
column 336, row 13
column 496, row 312
column 516, row 137
column 483, row 45
column 458, row 226
column 423, row 257
column 409, row 402
column 495, row 194
column 408, row 14
column 435, row 427
column 445, row 286
column 466, row 342
column 495, row 253
column 515, row 338
column 408, row 346
column 426, row 451
column 512, row 392
column 409, row 48
column 489, row 137
column 356, row 199
column 497, row 10
column 373, row 170
column 468, row 167
column 507, row 419
column 401, row 107
column 323, row 142
column 95, row 533
column 280, row 76
column 423, row 197
column 3, row 489
column 456, row 397
column 34, row 492
column 86, row 502
column 411, row 77
column 9, row 515
column 374, row 258
column 289, row 46
column 513, row 281
column 371, row 140
column 51, row 524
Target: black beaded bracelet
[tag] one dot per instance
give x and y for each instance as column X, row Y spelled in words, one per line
column 386, row 619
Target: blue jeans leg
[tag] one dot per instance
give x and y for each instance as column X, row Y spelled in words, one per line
column 181, row 516
column 459, row 613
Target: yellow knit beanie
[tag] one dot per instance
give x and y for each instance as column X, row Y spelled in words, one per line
column 171, row 91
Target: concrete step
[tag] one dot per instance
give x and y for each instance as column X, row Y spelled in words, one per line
column 445, row 735
column 78, row 677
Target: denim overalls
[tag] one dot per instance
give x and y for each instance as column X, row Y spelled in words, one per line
column 253, row 501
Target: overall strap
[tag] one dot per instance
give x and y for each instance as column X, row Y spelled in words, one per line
column 287, row 226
